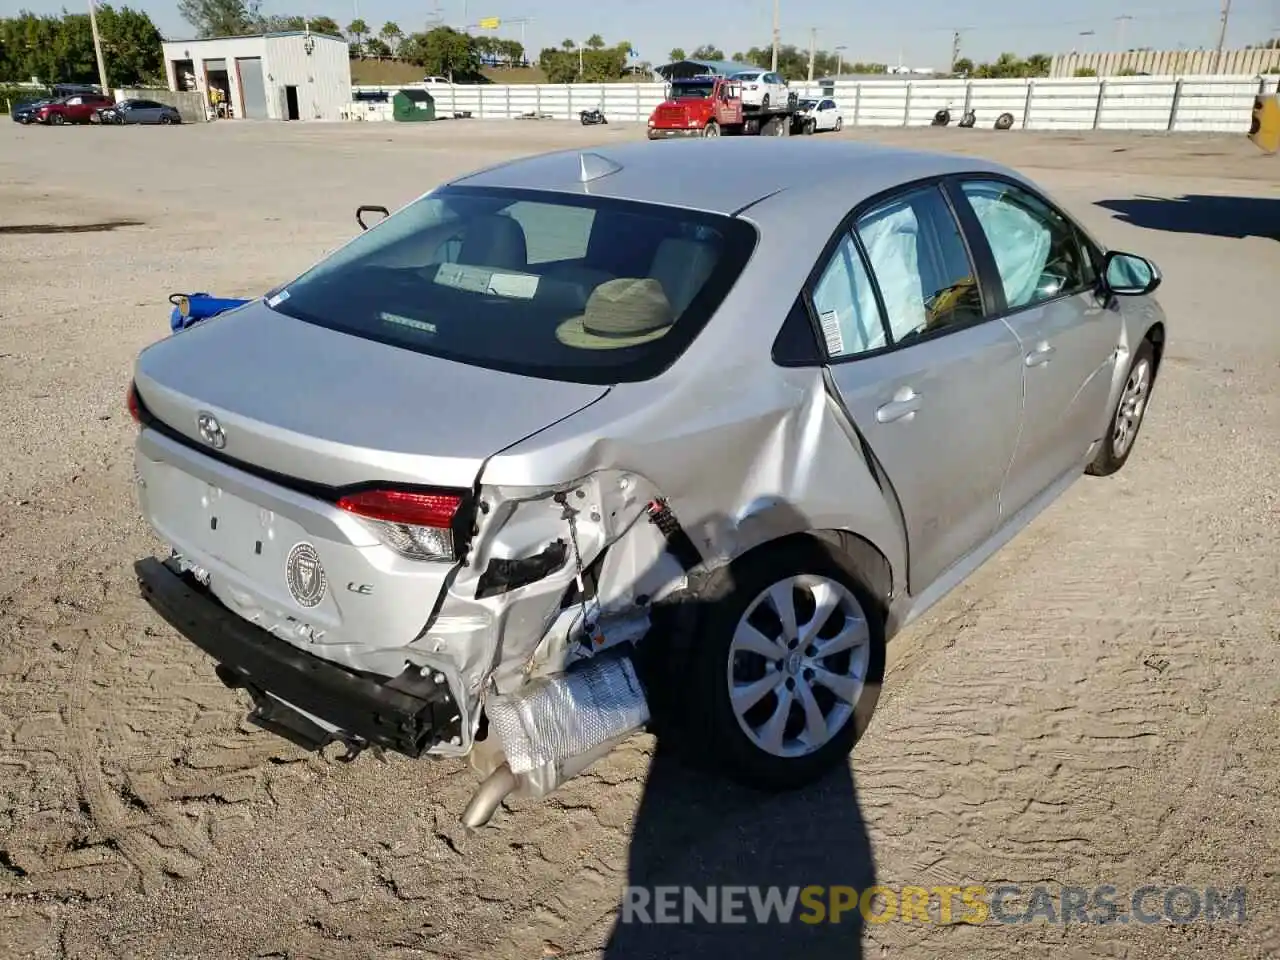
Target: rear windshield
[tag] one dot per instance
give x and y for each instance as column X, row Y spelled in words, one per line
column 577, row 288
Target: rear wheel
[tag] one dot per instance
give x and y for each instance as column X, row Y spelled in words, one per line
column 1126, row 418
column 839, row 123
column 764, row 102
column 785, row 665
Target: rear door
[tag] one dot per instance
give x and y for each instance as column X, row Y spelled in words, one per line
column 1048, row 296
column 933, row 384
column 827, row 115
column 149, row 111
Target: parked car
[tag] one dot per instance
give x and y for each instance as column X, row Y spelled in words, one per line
column 81, row 108
column 139, row 111
column 26, row 112
column 815, row 115
column 586, row 441
column 429, row 82
column 761, row 88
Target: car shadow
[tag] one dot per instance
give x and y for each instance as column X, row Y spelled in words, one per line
column 728, row 849
column 1214, row 216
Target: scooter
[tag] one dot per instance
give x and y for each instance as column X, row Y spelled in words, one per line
column 594, row 116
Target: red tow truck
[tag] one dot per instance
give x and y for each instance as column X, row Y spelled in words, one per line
column 711, row 106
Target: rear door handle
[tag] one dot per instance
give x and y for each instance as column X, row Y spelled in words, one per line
column 903, row 406
column 1041, row 355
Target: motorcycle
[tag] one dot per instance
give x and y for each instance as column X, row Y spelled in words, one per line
column 590, row 117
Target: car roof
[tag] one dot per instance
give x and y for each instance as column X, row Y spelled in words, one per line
column 726, row 175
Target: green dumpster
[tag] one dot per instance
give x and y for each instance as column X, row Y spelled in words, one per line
column 411, row 105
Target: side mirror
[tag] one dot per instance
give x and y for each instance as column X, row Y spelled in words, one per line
column 1129, row 275
column 368, row 208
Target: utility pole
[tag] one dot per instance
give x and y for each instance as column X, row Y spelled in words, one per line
column 1121, row 22
column 840, row 59
column 956, row 34
column 97, row 49
column 776, row 34
column 1222, row 35
column 813, row 43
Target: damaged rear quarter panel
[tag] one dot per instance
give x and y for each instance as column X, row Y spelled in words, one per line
column 739, row 467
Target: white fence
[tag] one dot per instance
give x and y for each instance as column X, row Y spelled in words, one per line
column 1180, row 104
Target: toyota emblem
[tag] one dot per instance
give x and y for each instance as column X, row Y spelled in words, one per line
column 211, row 431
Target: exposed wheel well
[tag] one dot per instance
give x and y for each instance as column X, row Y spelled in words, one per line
column 865, row 557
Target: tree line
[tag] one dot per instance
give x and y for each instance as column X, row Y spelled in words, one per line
column 60, row 49
column 793, row 62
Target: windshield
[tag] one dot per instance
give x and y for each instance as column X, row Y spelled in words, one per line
column 692, row 89
column 808, row 104
column 566, row 287
column 746, row 76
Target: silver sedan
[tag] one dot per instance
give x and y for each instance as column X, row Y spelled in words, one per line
column 591, row 441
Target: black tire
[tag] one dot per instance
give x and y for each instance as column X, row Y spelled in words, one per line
column 712, row 129
column 707, row 725
column 1004, row 121
column 839, row 124
column 764, row 102
column 57, row 119
column 1110, row 458
column 810, row 127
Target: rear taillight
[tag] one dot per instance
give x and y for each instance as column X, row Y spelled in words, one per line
column 415, row 525
column 135, row 406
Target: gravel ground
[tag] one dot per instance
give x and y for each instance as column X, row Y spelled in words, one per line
column 1096, row 705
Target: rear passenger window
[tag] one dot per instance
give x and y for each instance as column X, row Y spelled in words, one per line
column 1036, row 249
column 845, row 301
column 921, row 265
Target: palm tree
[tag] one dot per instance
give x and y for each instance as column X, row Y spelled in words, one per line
column 357, row 28
column 391, row 34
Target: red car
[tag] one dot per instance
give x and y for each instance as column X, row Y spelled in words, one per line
column 81, row 108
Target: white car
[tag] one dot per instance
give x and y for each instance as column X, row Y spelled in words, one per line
column 761, row 88
column 820, row 115
column 436, row 82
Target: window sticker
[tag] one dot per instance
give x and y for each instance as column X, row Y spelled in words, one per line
column 407, row 322
column 830, row 321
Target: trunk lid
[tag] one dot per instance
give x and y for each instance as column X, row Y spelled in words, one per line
column 331, row 408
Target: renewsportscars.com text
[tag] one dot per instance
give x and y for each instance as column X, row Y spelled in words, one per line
column 975, row 904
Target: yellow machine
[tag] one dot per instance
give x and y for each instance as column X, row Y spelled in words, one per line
column 1264, row 131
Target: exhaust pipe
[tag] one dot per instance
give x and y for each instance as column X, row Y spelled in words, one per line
column 484, row 803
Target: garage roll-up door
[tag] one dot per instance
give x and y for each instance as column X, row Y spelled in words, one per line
column 252, row 88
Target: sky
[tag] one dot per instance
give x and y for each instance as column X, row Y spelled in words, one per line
column 917, row 33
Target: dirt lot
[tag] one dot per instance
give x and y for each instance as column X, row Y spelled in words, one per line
column 1097, row 705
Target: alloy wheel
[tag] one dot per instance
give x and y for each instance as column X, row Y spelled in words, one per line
column 798, row 663
column 1133, row 403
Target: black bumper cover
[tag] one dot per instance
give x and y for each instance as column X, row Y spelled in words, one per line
column 408, row 713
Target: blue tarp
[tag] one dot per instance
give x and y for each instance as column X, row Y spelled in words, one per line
column 189, row 308
column 692, row 68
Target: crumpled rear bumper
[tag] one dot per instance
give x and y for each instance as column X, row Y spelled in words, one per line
column 291, row 688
